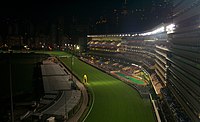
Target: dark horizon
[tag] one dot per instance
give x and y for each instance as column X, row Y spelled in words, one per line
column 34, row 22
column 88, row 11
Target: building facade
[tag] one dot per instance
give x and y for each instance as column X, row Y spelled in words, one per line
column 184, row 57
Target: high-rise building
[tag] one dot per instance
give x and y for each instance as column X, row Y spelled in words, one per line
column 183, row 73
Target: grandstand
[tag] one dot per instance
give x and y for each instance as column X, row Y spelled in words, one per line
column 130, row 75
column 138, row 48
column 170, row 54
column 107, row 44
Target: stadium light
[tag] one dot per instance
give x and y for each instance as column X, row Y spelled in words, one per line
column 77, row 47
column 170, row 28
column 156, row 31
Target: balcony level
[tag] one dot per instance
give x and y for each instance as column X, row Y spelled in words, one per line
column 193, row 115
column 185, row 79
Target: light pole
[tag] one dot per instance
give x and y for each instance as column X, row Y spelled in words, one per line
column 72, row 63
column 11, row 92
column 74, row 49
column 72, row 60
column 77, row 48
column 66, row 114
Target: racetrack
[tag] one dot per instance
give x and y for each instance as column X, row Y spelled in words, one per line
column 114, row 101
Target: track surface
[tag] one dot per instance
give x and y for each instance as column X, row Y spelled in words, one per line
column 114, row 101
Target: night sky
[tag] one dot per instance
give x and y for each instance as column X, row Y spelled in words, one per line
column 43, row 13
column 49, row 9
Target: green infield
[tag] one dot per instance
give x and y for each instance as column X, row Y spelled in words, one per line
column 114, row 101
column 134, row 80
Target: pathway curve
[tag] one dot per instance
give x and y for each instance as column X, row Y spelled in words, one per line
column 76, row 116
column 83, row 90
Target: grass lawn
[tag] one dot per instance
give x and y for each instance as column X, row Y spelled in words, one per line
column 136, row 81
column 53, row 53
column 114, row 101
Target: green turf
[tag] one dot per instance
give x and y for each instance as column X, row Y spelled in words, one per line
column 53, row 53
column 131, row 78
column 114, row 101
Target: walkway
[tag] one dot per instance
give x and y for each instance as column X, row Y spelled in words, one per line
column 56, row 78
column 76, row 116
column 83, row 90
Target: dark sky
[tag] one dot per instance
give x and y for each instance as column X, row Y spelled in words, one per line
column 54, row 8
column 46, row 12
